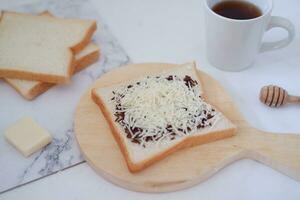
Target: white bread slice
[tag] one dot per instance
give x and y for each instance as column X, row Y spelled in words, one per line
column 139, row 105
column 41, row 47
column 85, row 57
column 31, row 89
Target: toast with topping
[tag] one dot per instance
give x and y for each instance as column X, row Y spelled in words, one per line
column 154, row 116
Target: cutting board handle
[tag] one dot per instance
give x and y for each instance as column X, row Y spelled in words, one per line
column 279, row 151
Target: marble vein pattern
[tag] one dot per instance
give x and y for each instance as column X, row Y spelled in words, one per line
column 54, row 109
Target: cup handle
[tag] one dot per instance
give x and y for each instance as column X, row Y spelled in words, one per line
column 282, row 23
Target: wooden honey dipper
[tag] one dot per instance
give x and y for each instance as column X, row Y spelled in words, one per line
column 275, row 96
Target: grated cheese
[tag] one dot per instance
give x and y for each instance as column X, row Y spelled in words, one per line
column 162, row 108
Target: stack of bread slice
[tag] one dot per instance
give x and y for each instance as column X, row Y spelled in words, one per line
column 39, row 51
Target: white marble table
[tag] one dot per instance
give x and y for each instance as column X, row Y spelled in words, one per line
column 172, row 31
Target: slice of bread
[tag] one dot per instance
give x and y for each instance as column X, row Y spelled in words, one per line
column 40, row 47
column 31, row 89
column 152, row 117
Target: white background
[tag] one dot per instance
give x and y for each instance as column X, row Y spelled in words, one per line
column 172, row 31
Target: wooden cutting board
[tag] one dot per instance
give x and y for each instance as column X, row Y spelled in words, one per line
column 187, row 167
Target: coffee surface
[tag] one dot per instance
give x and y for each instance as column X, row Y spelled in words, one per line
column 240, row 10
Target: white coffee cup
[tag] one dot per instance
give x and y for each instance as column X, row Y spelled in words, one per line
column 232, row 44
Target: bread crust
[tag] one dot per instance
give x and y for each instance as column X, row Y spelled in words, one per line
column 42, row 87
column 81, row 44
column 187, row 142
column 38, row 89
column 87, row 60
column 26, row 75
column 8, row 73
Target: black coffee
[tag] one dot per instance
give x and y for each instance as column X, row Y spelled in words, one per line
column 237, row 10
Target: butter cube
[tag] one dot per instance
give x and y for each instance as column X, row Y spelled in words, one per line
column 27, row 136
